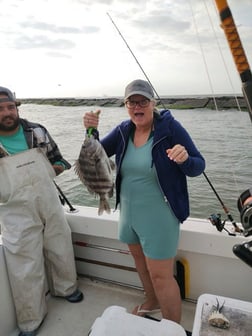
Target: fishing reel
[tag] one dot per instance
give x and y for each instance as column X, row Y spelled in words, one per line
column 215, row 219
column 244, row 204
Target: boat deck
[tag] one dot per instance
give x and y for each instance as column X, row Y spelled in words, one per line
column 64, row 319
column 209, row 267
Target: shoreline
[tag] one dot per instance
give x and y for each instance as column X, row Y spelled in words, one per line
column 223, row 102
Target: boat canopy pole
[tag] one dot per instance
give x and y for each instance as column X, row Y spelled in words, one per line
column 239, row 56
column 237, row 229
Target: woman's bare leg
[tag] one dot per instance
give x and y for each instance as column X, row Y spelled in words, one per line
column 159, row 284
column 165, row 287
column 140, row 262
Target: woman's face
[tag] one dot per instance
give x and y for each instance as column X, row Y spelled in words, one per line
column 140, row 110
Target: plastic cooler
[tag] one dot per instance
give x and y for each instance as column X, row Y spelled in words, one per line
column 239, row 314
column 115, row 321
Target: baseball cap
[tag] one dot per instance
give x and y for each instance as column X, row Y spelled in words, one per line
column 10, row 96
column 139, row 87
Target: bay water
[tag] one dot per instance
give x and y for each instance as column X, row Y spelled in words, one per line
column 223, row 137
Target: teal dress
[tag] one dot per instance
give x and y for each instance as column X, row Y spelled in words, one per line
column 145, row 217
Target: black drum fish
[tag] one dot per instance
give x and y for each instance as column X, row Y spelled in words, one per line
column 94, row 169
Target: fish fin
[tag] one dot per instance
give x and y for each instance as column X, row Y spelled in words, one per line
column 112, row 164
column 104, row 206
column 76, row 167
column 111, row 192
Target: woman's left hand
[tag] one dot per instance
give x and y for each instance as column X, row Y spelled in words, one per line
column 178, row 154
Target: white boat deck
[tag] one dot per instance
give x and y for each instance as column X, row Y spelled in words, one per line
column 64, row 318
column 210, row 267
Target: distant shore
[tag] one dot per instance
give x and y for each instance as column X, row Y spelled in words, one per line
column 223, row 102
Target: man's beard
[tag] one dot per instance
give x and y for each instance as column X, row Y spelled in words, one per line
column 12, row 127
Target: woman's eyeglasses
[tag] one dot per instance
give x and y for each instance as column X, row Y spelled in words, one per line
column 133, row 103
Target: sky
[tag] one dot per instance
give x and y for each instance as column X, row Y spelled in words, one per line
column 90, row 48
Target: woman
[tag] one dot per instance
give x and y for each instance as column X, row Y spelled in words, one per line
column 154, row 154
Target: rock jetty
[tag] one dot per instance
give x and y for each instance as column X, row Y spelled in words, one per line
column 222, row 103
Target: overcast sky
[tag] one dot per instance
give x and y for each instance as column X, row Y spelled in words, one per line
column 71, row 48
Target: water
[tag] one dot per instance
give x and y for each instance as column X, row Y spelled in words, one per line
column 223, row 137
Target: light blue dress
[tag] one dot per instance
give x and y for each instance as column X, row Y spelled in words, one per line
column 145, row 217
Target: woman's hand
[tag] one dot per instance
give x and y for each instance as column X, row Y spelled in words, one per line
column 178, row 154
column 91, row 119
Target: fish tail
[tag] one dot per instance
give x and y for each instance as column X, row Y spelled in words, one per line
column 104, row 206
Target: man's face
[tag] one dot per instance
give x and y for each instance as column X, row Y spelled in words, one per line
column 9, row 118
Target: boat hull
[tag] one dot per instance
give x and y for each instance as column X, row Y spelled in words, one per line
column 210, row 265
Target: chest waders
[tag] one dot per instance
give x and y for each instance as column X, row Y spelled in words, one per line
column 36, row 236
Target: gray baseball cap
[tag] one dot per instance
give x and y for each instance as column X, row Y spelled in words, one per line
column 139, row 87
column 10, row 96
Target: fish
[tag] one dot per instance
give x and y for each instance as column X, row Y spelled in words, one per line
column 217, row 318
column 95, row 170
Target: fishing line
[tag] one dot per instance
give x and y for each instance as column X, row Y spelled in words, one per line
column 222, row 56
column 231, row 85
column 203, row 56
column 228, row 75
column 229, row 27
column 237, row 229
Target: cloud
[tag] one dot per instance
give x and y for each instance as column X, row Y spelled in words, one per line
column 158, row 23
column 94, row 2
column 50, row 36
column 52, row 28
column 56, row 54
column 42, row 41
column 72, row 37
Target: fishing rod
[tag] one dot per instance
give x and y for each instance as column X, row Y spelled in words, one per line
column 215, row 219
column 63, row 198
column 237, row 50
column 242, row 251
column 160, row 101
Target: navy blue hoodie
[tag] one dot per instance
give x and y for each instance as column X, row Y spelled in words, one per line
column 171, row 176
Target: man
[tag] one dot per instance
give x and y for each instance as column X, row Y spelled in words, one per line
column 35, row 234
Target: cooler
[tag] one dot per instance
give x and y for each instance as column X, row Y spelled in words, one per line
column 115, row 321
column 239, row 314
